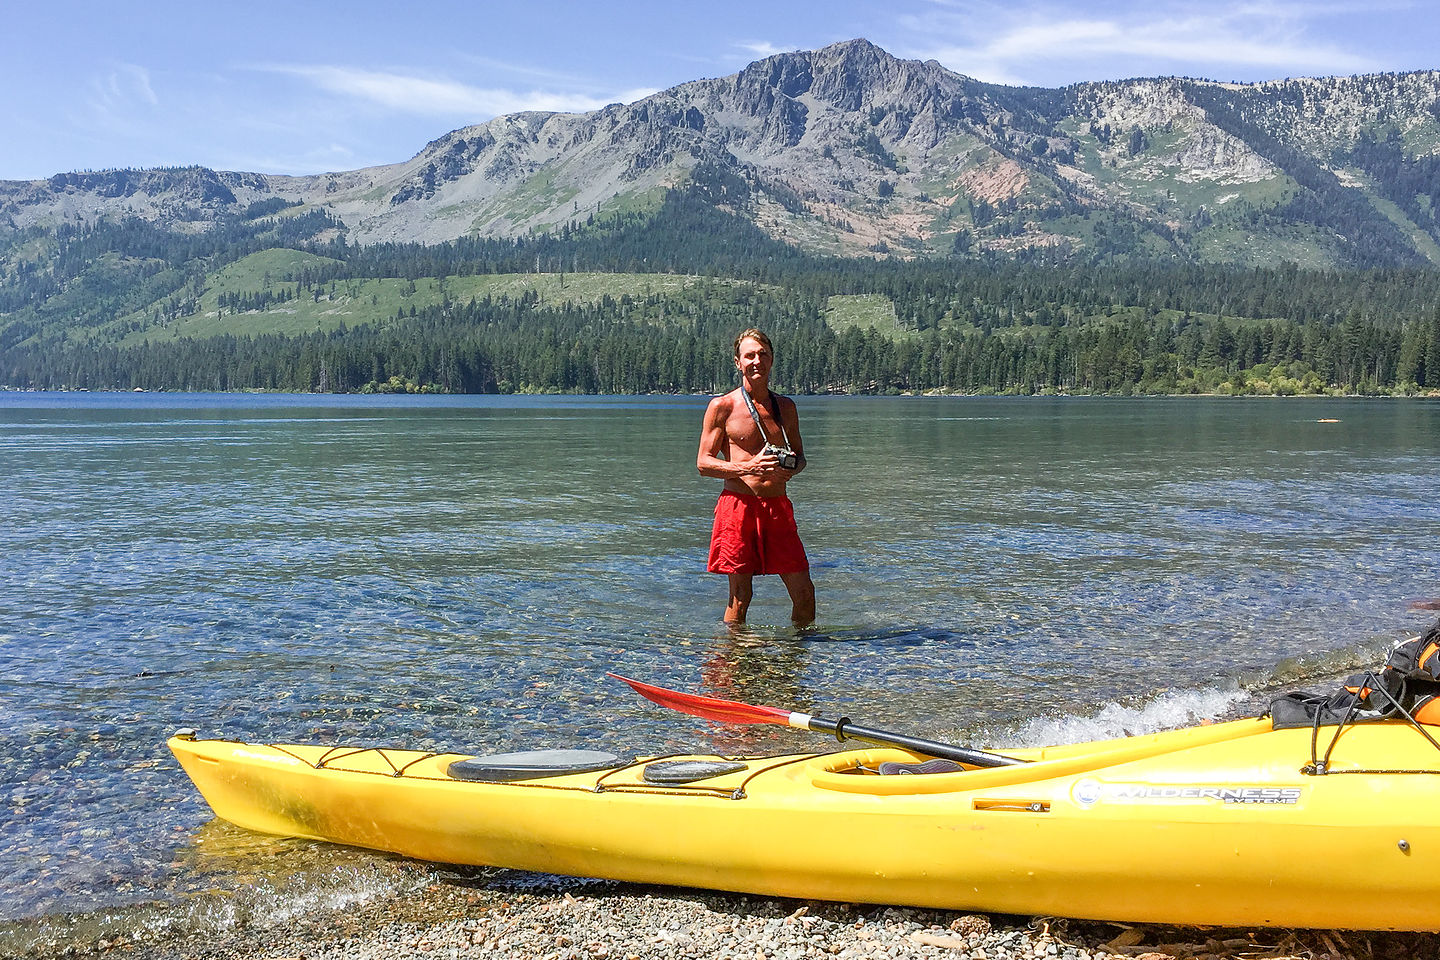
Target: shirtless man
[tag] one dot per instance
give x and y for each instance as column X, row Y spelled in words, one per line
column 754, row 529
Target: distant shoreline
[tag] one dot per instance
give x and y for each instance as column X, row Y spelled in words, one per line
column 931, row 394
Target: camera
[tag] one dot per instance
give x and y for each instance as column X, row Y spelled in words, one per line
column 787, row 458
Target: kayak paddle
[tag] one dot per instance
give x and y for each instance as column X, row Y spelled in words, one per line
column 731, row 711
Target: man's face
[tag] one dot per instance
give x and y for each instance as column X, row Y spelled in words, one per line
column 754, row 361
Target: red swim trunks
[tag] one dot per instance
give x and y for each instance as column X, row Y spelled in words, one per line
column 755, row 535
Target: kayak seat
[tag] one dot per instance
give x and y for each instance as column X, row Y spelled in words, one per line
column 530, row 764
column 689, row 771
column 891, row 768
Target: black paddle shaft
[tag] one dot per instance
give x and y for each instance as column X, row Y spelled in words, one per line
column 844, row 730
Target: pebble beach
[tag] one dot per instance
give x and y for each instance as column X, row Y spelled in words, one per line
column 472, row 916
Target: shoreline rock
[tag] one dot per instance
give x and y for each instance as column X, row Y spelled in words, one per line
column 467, row 916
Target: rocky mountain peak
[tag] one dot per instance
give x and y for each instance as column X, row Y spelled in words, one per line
column 850, row 150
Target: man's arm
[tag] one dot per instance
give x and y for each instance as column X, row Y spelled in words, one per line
column 790, row 417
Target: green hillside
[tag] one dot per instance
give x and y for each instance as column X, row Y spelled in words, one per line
column 865, row 311
column 294, row 307
column 657, row 300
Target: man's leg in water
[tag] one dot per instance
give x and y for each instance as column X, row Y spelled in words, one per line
column 802, row 597
column 741, row 590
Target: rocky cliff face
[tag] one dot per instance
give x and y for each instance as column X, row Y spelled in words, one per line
column 849, row 150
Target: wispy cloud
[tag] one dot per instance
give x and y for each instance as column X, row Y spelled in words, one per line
column 122, row 85
column 764, row 48
column 1030, row 44
column 545, row 74
column 407, row 93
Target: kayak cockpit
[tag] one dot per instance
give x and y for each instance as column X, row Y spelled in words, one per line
column 839, row 771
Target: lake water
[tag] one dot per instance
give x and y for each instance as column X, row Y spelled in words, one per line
column 460, row 572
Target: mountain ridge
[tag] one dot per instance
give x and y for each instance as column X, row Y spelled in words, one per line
column 849, row 151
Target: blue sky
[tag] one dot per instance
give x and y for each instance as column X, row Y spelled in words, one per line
column 306, row 87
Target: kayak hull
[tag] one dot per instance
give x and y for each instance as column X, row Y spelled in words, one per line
column 1213, row 825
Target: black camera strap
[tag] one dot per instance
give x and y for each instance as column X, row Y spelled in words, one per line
column 750, row 402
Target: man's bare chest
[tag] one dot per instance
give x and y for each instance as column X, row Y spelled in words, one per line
column 741, row 429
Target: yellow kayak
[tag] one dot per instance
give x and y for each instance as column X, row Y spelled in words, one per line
column 1213, row 824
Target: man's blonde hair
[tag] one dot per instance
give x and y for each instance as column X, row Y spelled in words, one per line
column 756, row 335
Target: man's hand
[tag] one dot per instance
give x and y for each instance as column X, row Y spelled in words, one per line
column 765, row 464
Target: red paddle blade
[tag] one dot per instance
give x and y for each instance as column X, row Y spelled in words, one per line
column 711, row 708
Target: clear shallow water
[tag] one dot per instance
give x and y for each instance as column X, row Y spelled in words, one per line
column 461, row 572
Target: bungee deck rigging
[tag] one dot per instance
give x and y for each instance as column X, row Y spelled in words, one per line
column 402, row 763
column 1406, row 688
